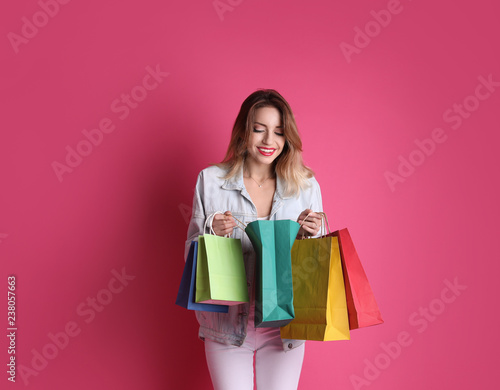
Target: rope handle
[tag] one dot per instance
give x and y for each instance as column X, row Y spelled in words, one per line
column 210, row 220
column 324, row 223
column 236, row 219
column 324, row 219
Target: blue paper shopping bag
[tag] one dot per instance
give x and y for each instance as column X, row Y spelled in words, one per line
column 186, row 294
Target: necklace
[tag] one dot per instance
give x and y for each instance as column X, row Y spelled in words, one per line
column 260, row 185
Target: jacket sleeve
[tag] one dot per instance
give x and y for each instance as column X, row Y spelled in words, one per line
column 197, row 221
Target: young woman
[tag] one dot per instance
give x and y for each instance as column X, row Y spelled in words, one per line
column 261, row 177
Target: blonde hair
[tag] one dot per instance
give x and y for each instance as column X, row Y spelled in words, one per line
column 289, row 165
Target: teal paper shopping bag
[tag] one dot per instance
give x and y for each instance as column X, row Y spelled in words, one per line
column 273, row 241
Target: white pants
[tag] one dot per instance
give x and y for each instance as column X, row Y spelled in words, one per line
column 232, row 367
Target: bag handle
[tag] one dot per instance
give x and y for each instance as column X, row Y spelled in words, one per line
column 324, row 220
column 236, row 219
column 324, row 224
column 210, row 220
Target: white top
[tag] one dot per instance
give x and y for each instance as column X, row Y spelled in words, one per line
column 263, row 218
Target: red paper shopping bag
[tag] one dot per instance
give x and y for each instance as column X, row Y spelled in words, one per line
column 361, row 305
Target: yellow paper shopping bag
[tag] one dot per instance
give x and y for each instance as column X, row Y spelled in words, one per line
column 318, row 290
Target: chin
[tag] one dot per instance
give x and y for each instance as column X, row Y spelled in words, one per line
column 266, row 160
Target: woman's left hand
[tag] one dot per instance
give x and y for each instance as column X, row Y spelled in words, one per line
column 311, row 225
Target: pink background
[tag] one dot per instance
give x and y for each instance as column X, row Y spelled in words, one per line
column 126, row 204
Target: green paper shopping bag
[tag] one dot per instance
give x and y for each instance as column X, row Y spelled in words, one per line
column 186, row 293
column 272, row 241
column 220, row 271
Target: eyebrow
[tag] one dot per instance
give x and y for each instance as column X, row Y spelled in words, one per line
column 262, row 124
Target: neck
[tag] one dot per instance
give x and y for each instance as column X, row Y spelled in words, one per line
column 258, row 171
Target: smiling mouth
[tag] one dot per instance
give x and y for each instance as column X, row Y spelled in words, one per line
column 266, row 151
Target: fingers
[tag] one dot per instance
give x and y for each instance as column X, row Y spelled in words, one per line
column 310, row 223
column 310, row 230
column 309, row 218
column 304, row 214
column 223, row 224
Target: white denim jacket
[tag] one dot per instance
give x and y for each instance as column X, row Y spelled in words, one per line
column 213, row 193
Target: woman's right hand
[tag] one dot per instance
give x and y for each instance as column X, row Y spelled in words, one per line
column 223, row 224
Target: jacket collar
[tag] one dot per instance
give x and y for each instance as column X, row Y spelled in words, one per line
column 236, row 183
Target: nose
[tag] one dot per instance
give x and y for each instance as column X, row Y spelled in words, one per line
column 268, row 138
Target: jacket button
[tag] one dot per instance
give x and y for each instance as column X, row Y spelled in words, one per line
column 290, row 345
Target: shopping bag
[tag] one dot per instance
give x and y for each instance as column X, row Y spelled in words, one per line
column 220, row 272
column 318, row 289
column 186, row 293
column 361, row 304
column 272, row 241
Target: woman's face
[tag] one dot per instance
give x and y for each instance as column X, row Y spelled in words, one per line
column 267, row 139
